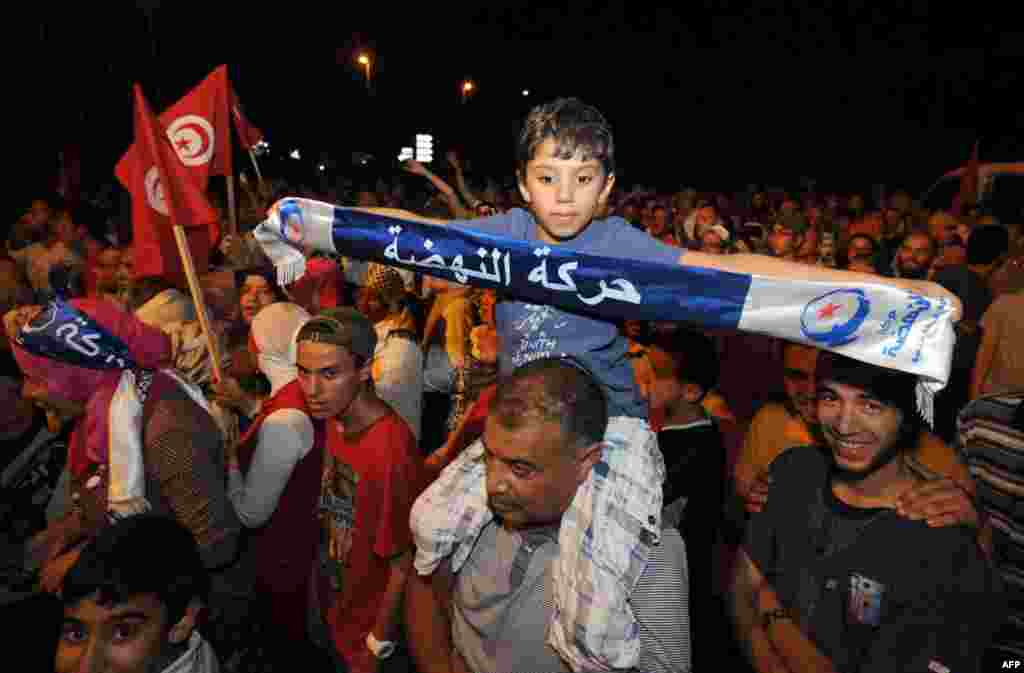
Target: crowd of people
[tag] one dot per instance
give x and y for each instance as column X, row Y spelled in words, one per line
column 397, row 472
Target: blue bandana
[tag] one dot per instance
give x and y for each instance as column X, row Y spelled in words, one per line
column 62, row 332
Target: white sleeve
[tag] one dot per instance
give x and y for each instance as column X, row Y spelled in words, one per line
column 285, row 438
column 399, row 380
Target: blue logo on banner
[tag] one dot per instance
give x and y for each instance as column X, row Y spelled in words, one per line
column 834, row 318
column 291, row 231
column 62, row 332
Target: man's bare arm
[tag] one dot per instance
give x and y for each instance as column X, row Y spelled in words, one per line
column 747, row 621
column 385, row 626
column 983, row 363
column 427, row 621
column 798, row 653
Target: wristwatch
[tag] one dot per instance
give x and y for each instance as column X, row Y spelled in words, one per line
column 773, row 616
column 382, row 649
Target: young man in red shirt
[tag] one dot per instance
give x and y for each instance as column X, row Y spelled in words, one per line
column 373, row 473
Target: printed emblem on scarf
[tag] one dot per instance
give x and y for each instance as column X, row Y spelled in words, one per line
column 833, row 319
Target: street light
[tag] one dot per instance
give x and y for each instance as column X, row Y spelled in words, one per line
column 467, row 88
column 364, row 61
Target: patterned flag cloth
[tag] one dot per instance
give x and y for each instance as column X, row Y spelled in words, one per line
column 165, row 193
column 197, row 130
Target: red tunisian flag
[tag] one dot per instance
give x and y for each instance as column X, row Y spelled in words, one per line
column 248, row 134
column 199, row 127
column 165, row 193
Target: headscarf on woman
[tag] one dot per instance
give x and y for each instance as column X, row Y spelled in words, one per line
column 93, row 353
column 273, row 334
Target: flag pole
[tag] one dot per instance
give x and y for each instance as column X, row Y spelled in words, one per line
column 232, row 208
column 259, row 176
column 197, row 298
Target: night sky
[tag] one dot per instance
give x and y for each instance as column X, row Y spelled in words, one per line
column 715, row 95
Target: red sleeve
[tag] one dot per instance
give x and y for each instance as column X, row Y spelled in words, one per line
column 402, row 479
column 476, row 417
column 322, row 286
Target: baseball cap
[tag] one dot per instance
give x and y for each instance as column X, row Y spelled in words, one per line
column 342, row 326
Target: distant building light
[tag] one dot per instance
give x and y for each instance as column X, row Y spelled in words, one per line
column 295, row 154
column 424, row 148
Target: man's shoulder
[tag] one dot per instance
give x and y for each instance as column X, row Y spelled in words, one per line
column 799, row 463
column 390, row 434
column 771, row 413
column 946, row 556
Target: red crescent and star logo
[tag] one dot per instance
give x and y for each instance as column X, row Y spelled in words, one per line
column 193, row 138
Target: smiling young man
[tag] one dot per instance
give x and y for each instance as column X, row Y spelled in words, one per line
column 832, row 578
column 130, row 610
column 372, row 474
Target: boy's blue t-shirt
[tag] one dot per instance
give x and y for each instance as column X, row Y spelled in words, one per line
column 530, row 332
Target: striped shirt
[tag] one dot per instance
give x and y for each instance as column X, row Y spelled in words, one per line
column 992, row 443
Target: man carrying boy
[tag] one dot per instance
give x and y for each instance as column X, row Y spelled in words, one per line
column 542, row 439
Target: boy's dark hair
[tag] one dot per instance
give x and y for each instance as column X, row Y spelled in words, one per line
column 557, row 390
column 987, row 244
column 578, row 129
column 142, row 554
column 693, row 358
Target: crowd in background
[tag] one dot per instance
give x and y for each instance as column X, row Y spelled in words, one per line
column 435, row 363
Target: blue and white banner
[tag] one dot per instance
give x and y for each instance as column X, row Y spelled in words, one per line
column 872, row 322
column 62, row 332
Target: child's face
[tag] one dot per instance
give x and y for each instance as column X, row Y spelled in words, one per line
column 564, row 194
column 658, row 391
column 128, row 637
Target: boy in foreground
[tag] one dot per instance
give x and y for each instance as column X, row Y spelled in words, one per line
column 132, row 600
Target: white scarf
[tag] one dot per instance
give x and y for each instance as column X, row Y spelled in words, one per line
column 126, row 491
column 199, row 658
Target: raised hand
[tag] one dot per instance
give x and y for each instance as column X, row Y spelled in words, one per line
column 414, row 167
column 453, row 160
